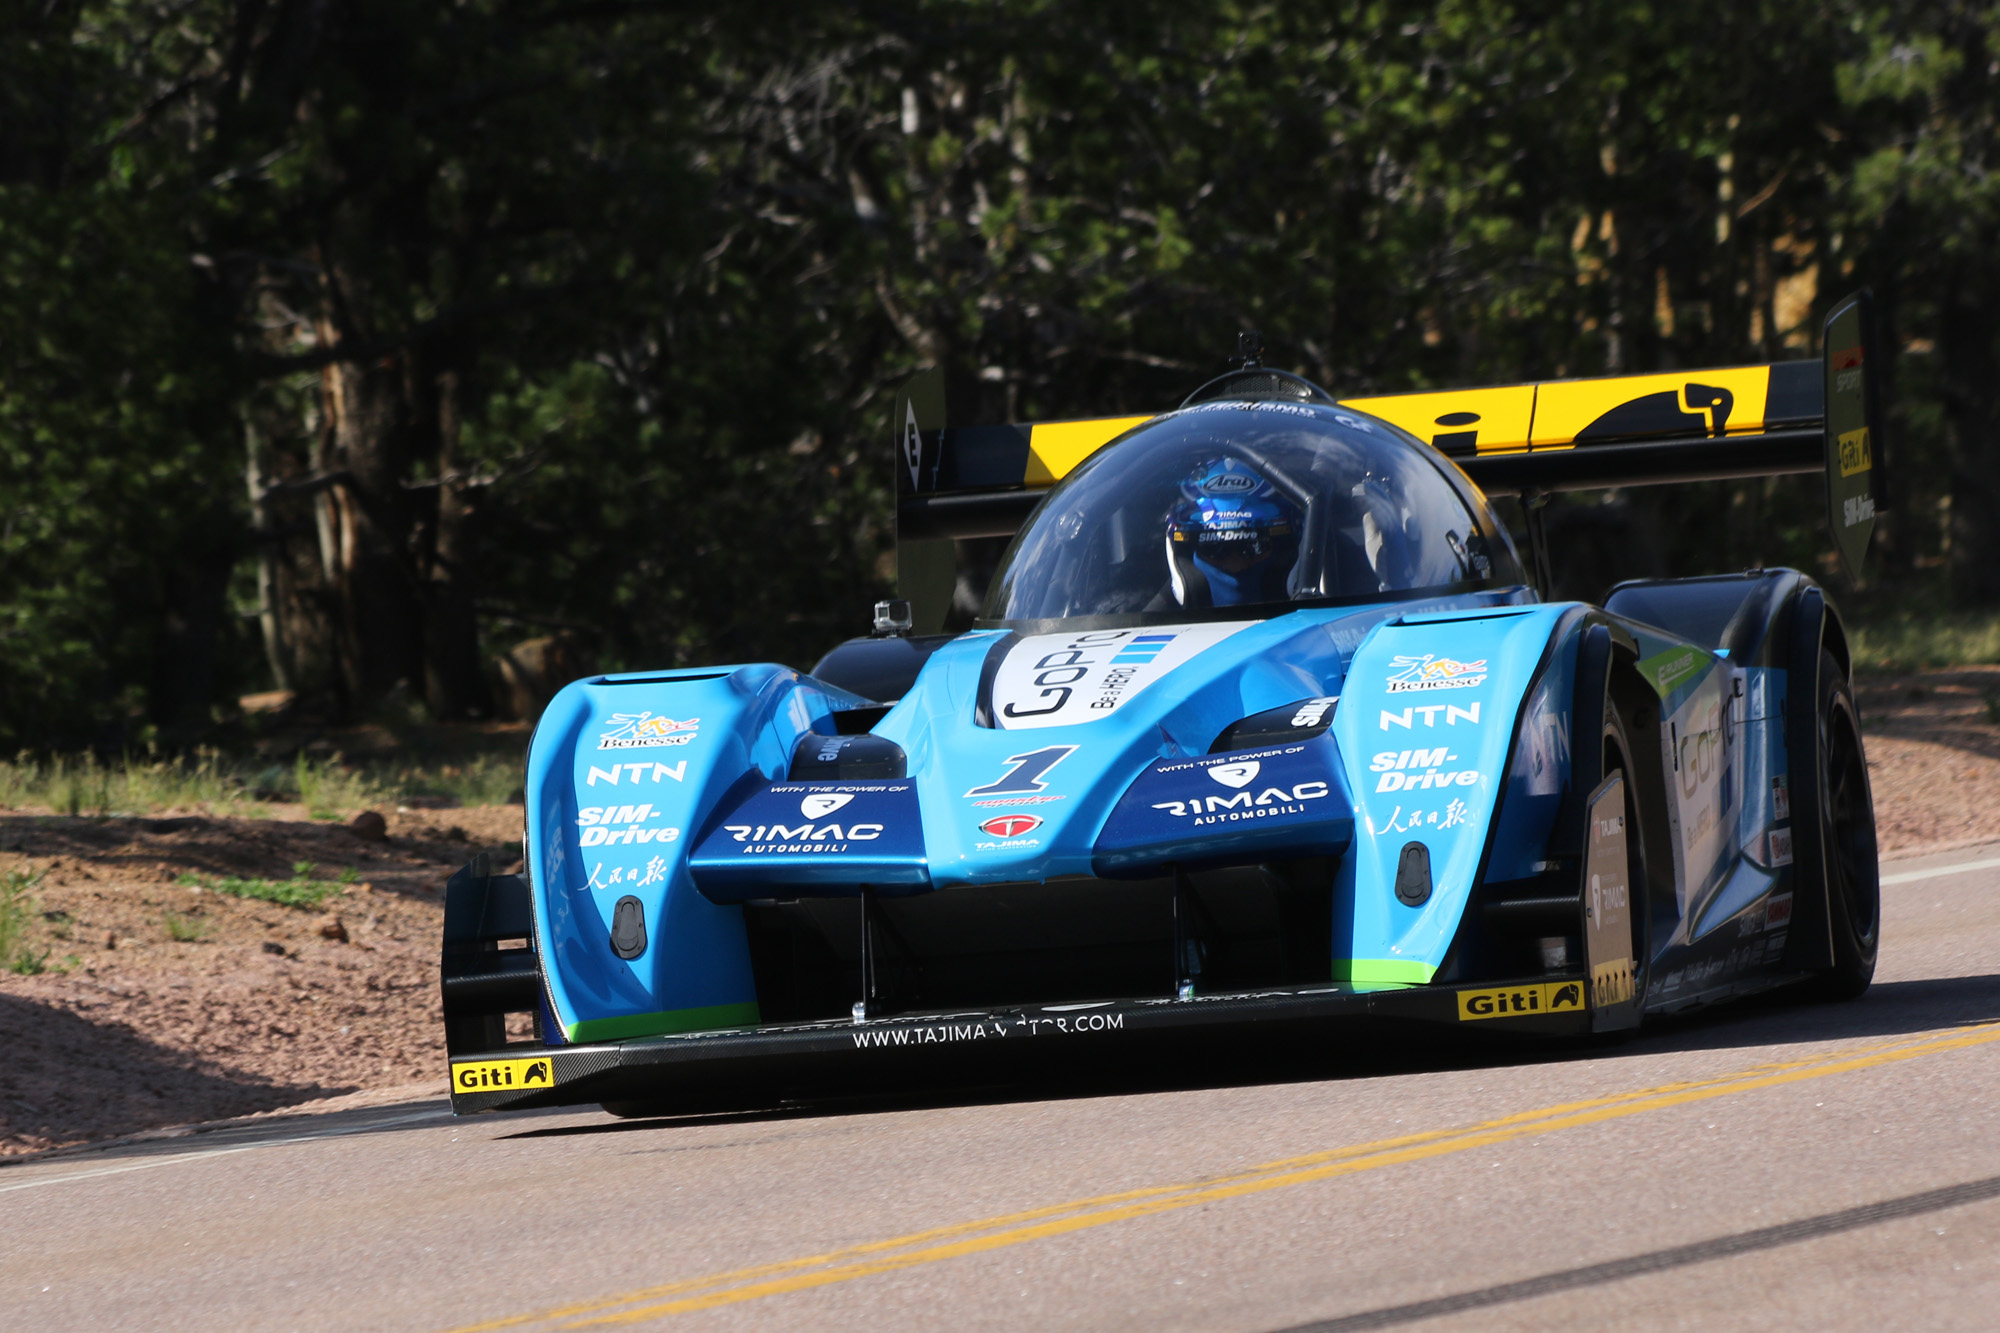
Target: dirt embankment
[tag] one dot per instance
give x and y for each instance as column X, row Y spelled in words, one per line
column 1933, row 741
column 165, row 1002
column 186, row 1004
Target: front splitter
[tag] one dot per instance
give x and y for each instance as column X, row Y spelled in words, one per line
column 715, row 1068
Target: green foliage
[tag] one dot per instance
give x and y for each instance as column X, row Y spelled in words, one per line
column 211, row 783
column 1920, row 640
column 17, row 911
column 521, row 320
column 184, row 929
column 330, row 790
column 298, row 891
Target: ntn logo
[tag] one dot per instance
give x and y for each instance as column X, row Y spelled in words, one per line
column 1453, row 715
column 645, row 771
column 614, row 814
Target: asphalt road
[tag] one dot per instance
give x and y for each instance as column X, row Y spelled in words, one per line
column 1778, row 1165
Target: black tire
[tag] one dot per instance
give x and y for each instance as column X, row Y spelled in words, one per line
column 1846, row 832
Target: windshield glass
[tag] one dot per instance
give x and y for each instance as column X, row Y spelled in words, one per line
column 1243, row 504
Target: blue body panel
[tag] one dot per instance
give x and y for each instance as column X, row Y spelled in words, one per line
column 1041, row 757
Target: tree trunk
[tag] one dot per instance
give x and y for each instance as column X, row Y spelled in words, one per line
column 454, row 682
column 270, row 551
column 1972, row 415
column 365, row 528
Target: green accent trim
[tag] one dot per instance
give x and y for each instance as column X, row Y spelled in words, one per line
column 1392, row 971
column 1668, row 671
column 664, row 1024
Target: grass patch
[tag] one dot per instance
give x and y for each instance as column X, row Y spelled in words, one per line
column 330, row 790
column 298, row 891
column 212, row 783
column 17, row 909
column 1919, row 639
column 185, row 929
column 488, row 779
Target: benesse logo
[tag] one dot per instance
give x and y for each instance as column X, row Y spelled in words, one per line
column 1553, row 997
column 1429, row 672
column 640, row 731
column 501, row 1075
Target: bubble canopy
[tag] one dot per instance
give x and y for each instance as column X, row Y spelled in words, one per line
column 1251, row 505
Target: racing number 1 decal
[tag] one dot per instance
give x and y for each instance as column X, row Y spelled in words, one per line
column 1025, row 775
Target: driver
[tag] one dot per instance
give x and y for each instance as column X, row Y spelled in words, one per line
column 1231, row 535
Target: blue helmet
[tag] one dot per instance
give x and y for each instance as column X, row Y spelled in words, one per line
column 1233, row 533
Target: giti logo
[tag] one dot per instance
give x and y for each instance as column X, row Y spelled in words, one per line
column 1551, row 997
column 1854, row 452
column 500, row 1075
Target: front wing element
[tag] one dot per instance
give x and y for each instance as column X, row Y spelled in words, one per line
column 785, row 1061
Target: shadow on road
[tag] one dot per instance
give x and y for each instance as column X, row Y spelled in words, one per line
column 1889, row 1009
column 1330, row 1053
column 66, row 1077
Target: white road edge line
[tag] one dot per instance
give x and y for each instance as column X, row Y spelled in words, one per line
column 219, row 1152
column 1909, row 876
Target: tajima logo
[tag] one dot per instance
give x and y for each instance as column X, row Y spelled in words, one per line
column 641, row 731
column 1434, row 673
column 1010, row 826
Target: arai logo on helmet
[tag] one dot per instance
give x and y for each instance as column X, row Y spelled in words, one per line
column 1228, row 483
column 823, row 803
column 1010, row 826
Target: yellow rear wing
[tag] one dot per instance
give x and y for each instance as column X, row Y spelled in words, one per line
column 1510, row 439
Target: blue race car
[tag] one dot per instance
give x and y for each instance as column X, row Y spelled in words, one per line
column 1264, row 725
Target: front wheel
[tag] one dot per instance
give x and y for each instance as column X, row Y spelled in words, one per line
column 1847, row 835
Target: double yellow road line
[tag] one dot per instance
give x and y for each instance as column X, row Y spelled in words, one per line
column 994, row 1233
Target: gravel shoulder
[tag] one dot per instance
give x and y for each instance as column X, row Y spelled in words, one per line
column 183, row 1004
column 165, row 1002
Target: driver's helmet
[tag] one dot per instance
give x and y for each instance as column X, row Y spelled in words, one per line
column 1232, row 537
